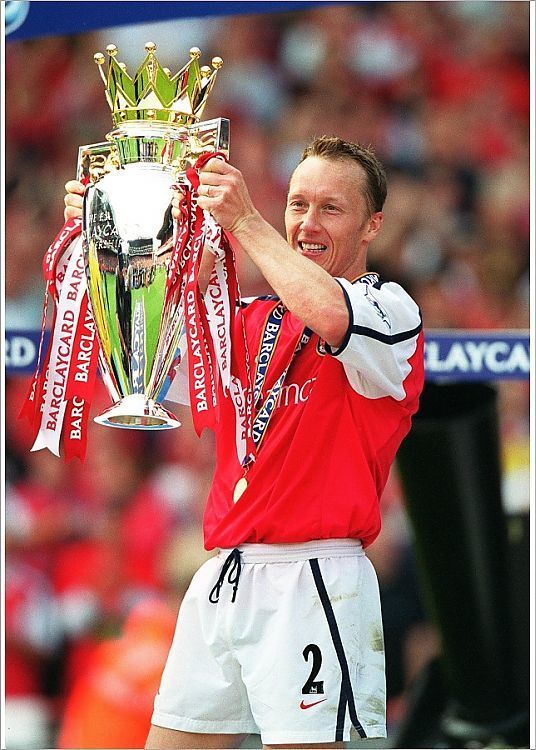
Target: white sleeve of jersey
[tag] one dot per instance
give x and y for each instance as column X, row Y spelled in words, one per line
column 381, row 338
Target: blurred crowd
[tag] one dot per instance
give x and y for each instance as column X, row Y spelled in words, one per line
column 99, row 554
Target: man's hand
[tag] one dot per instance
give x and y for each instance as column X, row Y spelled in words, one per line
column 175, row 205
column 74, row 199
column 223, row 192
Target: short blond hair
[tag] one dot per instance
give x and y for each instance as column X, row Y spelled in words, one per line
column 331, row 147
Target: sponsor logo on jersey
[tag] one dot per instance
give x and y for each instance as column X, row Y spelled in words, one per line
column 293, row 394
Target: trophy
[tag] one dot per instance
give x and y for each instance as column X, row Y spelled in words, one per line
column 128, row 233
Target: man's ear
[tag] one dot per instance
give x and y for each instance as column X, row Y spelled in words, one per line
column 374, row 225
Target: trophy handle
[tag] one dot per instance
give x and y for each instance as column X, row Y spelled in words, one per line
column 125, row 145
column 95, row 160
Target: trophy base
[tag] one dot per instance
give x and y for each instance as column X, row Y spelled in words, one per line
column 137, row 412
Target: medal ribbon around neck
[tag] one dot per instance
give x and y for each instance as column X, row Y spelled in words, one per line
column 265, row 398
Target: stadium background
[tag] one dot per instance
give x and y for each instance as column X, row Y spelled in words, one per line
column 99, row 554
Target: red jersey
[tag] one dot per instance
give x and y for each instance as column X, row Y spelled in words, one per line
column 339, row 418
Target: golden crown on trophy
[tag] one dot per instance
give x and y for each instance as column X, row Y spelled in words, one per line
column 153, row 94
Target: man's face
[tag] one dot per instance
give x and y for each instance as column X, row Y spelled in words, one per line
column 326, row 217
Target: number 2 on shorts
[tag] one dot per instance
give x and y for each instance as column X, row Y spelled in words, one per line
column 311, row 687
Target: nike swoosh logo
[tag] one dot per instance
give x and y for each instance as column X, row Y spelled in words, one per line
column 308, row 705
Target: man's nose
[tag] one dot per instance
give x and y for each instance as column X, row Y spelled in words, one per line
column 310, row 219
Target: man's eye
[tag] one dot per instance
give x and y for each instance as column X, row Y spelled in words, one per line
column 296, row 204
column 331, row 207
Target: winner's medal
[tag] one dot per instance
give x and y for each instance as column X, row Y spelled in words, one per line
column 240, row 487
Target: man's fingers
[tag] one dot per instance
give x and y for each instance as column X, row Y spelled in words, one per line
column 74, row 200
column 72, row 212
column 224, row 177
column 208, row 191
column 211, row 178
column 217, row 165
column 75, row 187
column 175, row 206
column 204, row 202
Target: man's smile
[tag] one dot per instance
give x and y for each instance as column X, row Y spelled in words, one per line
column 312, row 248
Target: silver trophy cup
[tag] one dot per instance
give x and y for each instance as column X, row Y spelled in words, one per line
column 128, row 242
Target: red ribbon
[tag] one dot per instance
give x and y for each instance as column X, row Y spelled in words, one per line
column 69, row 231
column 84, row 357
column 80, row 384
column 183, row 274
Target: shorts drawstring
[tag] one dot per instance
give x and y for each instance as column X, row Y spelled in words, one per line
column 233, row 566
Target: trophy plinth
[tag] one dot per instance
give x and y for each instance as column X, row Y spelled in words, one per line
column 138, row 412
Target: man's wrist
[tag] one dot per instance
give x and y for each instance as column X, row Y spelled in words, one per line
column 247, row 226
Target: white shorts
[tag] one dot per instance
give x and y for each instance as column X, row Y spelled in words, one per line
column 296, row 657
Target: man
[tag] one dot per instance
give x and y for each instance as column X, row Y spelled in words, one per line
column 281, row 632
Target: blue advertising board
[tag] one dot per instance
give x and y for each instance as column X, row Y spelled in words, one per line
column 477, row 355
column 448, row 355
column 21, row 349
